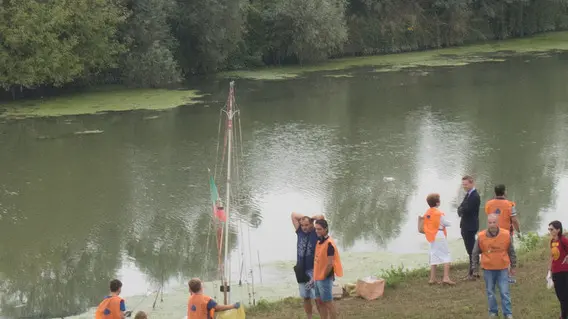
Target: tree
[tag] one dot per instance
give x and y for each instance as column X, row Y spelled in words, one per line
column 57, row 41
column 150, row 61
column 207, row 30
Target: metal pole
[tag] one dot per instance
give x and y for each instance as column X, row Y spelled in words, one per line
column 228, row 200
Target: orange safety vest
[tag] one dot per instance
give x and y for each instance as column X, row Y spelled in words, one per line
column 320, row 260
column 109, row 308
column 432, row 219
column 503, row 208
column 494, row 250
column 197, row 307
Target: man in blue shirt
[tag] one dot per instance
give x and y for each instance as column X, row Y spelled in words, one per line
column 304, row 268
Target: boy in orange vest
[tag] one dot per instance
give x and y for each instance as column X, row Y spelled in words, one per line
column 327, row 265
column 200, row 306
column 498, row 260
column 112, row 307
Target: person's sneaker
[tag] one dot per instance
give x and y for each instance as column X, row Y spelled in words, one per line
column 493, row 315
column 509, row 316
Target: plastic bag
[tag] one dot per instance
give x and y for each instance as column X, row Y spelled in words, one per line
column 231, row 314
column 370, row 288
column 549, row 282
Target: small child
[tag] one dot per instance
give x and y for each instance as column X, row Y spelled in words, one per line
column 141, row 315
column 201, row 306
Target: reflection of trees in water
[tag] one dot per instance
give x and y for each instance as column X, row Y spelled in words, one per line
column 513, row 143
column 167, row 247
column 63, row 281
column 59, row 248
column 378, row 145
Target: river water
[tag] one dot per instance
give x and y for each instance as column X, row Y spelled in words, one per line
column 133, row 201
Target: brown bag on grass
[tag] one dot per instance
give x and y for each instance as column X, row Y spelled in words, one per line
column 370, row 288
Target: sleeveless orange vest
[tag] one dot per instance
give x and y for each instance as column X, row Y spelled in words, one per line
column 320, row 260
column 197, row 307
column 503, row 208
column 432, row 223
column 494, row 250
column 109, row 308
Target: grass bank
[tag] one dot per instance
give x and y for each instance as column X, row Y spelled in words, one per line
column 96, row 101
column 456, row 56
column 408, row 294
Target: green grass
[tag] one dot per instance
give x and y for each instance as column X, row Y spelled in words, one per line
column 115, row 99
column 455, row 56
column 408, row 295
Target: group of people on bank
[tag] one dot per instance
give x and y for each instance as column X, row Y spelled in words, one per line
column 318, row 260
column 492, row 248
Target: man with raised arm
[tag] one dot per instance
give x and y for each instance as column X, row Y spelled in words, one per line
column 304, row 268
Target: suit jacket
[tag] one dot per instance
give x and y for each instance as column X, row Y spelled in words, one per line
column 469, row 212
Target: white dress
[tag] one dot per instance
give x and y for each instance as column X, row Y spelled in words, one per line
column 439, row 250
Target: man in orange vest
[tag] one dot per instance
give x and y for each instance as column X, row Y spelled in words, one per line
column 498, row 261
column 327, row 265
column 505, row 209
column 112, row 307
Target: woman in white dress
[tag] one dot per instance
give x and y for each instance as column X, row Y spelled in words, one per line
column 435, row 225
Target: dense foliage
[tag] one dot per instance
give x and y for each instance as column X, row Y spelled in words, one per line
column 152, row 43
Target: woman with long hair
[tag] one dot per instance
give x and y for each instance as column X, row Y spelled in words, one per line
column 559, row 265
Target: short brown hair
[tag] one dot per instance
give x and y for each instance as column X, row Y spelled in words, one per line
column 115, row 284
column 141, row 315
column 195, row 285
column 433, row 199
column 468, row 178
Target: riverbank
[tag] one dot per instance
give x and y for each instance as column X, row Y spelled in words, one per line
column 100, row 100
column 490, row 51
column 412, row 297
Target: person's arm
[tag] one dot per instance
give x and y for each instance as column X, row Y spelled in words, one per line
column 445, row 222
column 318, row 216
column 473, row 204
column 475, row 256
column 514, row 219
column 296, row 219
column 122, row 309
column 565, row 247
column 212, row 304
column 512, row 257
column 330, row 257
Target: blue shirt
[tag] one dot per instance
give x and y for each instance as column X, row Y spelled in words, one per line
column 305, row 249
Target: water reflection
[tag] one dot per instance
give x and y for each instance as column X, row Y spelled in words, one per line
column 366, row 150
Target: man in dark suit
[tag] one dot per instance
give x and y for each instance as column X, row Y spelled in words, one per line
column 468, row 211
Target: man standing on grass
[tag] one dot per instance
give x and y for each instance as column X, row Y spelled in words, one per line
column 498, row 261
column 304, row 268
column 327, row 265
column 468, row 211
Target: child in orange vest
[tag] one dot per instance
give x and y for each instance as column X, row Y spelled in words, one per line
column 435, row 231
column 327, row 265
column 112, row 307
column 200, row 306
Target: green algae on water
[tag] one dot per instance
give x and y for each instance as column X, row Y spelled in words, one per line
column 492, row 51
column 100, row 101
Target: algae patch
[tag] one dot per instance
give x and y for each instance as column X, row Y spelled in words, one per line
column 337, row 76
column 102, row 101
column 539, row 45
